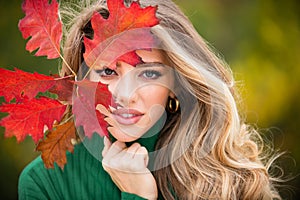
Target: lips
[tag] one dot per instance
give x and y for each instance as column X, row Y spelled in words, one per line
column 127, row 116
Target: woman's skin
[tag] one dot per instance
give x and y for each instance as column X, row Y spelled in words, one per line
column 127, row 166
column 141, row 93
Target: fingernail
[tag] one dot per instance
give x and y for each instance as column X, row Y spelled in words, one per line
column 101, row 108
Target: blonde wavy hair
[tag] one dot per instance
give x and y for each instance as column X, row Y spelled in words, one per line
column 224, row 158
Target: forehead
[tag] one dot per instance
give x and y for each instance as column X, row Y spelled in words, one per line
column 151, row 55
column 147, row 56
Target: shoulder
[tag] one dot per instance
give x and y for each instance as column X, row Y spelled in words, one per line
column 29, row 184
column 82, row 170
column 35, row 166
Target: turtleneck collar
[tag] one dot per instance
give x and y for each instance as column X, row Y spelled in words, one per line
column 149, row 139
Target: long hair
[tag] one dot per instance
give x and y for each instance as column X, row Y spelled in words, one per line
column 220, row 156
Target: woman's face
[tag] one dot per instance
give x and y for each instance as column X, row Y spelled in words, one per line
column 140, row 93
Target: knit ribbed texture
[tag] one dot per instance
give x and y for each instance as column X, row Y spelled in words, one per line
column 83, row 177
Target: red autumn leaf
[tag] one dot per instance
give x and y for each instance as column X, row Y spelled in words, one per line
column 19, row 84
column 42, row 23
column 30, row 117
column 63, row 87
column 122, row 48
column 91, row 94
column 121, row 19
column 57, row 142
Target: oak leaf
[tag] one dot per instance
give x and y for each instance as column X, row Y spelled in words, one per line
column 63, row 88
column 19, row 84
column 90, row 94
column 121, row 19
column 42, row 23
column 30, row 117
column 57, row 143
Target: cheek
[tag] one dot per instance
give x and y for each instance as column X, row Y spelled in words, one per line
column 111, row 88
column 153, row 95
column 93, row 76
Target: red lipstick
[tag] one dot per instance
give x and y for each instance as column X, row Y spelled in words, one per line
column 127, row 116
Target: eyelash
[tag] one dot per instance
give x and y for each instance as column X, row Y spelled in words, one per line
column 104, row 72
column 107, row 73
column 157, row 74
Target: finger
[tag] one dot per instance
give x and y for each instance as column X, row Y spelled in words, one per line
column 107, row 142
column 126, row 161
column 107, row 145
column 111, row 121
column 133, row 149
column 142, row 156
column 103, row 110
column 111, row 160
column 116, row 148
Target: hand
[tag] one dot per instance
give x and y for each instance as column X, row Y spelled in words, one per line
column 129, row 133
column 127, row 166
column 120, row 132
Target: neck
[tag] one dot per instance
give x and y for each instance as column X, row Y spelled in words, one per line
column 149, row 139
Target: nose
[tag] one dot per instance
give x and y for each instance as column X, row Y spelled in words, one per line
column 125, row 90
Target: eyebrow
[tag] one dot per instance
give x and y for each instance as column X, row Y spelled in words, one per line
column 151, row 64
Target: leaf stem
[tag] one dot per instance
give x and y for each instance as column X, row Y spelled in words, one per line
column 65, row 77
column 68, row 119
column 68, row 66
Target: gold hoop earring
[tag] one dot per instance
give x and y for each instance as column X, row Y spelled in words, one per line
column 173, row 105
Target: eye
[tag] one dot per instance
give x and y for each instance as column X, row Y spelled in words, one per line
column 106, row 72
column 150, row 74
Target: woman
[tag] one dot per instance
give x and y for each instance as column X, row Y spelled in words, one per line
column 175, row 132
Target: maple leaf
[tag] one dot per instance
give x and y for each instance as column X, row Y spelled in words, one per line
column 57, row 142
column 30, row 117
column 42, row 23
column 121, row 19
column 19, row 84
column 91, row 94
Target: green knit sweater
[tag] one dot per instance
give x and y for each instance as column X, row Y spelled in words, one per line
column 83, row 177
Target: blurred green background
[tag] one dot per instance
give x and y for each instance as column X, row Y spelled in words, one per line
column 259, row 39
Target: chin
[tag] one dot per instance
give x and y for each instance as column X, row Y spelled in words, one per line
column 125, row 138
column 129, row 137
